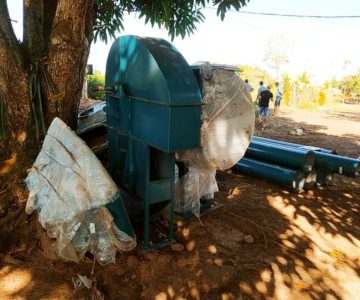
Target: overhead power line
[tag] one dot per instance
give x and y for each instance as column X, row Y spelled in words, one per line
column 299, row 16
column 292, row 15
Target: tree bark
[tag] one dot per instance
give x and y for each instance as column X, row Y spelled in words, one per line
column 49, row 10
column 69, row 48
column 33, row 30
column 13, row 83
column 59, row 34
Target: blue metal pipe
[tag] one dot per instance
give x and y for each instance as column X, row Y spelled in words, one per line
column 262, row 139
column 284, row 156
column 324, row 159
column 338, row 164
column 283, row 176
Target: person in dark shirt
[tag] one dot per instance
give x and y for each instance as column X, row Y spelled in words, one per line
column 264, row 100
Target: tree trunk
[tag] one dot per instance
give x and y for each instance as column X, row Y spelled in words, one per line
column 13, row 85
column 17, row 113
column 69, row 48
column 64, row 50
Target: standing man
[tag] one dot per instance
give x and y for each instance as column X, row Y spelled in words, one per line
column 265, row 97
column 248, row 86
column 256, row 103
column 261, row 89
column 278, row 98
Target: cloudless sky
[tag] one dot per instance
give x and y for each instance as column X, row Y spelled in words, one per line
column 323, row 47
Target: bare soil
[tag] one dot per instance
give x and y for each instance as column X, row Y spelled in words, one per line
column 264, row 243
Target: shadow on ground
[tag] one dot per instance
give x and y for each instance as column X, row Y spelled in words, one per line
column 264, row 243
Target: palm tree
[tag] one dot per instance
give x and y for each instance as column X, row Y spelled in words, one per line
column 303, row 79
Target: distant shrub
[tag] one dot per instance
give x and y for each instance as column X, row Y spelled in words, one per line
column 287, row 89
column 322, row 97
column 310, row 105
column 93, row 81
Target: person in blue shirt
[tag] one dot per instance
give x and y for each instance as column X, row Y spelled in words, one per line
column 278, row 98
column 261, row 89
column 248, row 86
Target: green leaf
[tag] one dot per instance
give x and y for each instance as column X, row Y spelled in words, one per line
column 178, row 17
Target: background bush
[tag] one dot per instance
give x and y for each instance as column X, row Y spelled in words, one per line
column 92, row 82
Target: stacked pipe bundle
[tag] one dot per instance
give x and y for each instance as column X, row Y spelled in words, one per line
column 295, row 165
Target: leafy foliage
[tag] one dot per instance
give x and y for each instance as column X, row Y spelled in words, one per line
column 322, row 97
column 307, row 104
column 255, row 75
column 225, row 5
column 350, row 86
column 287, row 88
column 178, row 17
column 303, row 80
column 94, row 81
column 38, row 74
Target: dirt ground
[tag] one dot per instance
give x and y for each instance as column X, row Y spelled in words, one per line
column 301, row 246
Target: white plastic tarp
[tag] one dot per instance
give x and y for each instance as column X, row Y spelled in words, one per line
column 69, row 187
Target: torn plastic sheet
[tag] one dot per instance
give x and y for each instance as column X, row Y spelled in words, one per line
column 81, row 281
column 69, row 188
column 227, row 127
column 193, row 186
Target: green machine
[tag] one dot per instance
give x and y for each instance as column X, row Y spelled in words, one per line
column 153, row 110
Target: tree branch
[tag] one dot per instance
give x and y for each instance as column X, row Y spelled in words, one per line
column 9, row 45
column 49, row 10
column 13, row 79
column 89, row 24
column 11, row 61
column 33, row 30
